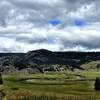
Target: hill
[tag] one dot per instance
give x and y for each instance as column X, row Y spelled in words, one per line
column 45, row 60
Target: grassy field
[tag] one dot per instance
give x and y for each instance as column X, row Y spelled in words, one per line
column 52, row 86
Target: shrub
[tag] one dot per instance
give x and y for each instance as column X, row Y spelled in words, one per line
column 14, row 88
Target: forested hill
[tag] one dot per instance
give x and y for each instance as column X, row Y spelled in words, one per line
column 10, row 54
column 46, row 58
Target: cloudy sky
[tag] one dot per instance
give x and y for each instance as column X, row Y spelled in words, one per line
column 57, row 25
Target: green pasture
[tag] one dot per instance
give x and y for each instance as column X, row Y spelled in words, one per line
column 52, row 86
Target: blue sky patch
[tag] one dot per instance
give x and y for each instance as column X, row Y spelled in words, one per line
column 50, row 40
column 55, row 22
column 79, row 23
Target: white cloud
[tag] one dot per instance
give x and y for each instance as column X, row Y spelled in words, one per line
column 24, row 25
column 84, row 11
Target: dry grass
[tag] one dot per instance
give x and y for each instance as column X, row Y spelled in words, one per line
column 24, row 94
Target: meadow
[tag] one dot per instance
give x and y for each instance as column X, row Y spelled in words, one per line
column 78, row 85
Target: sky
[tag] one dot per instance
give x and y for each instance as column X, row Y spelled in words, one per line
column 56, row 25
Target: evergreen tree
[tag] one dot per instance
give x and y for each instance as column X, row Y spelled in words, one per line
column 1, row 81
column 97, row 84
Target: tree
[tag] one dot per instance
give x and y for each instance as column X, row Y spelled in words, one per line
column 2, row 94
column 1, row 81
column 97, row 84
